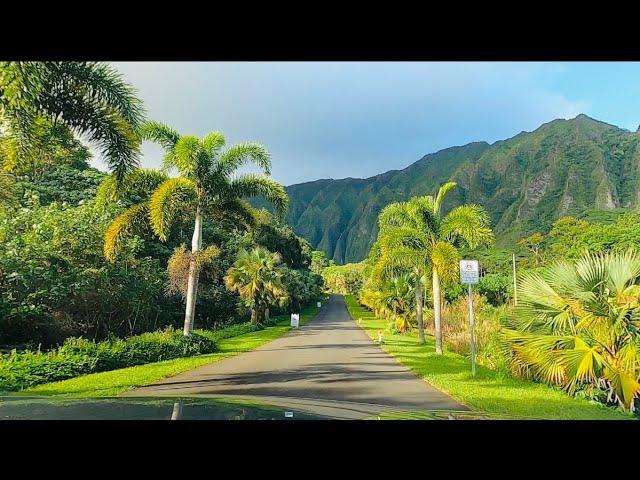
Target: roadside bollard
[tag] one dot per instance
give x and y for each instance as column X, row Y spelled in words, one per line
column 379, row 336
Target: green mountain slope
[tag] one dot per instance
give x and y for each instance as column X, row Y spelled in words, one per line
column 565, row 167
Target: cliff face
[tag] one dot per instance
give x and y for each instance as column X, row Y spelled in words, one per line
column 565, row 167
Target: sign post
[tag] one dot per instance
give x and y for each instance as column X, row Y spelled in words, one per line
column 295, row 320
column 469, row 274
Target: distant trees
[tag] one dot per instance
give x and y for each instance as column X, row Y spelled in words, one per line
column 533, row 243
column 319, row 260
column 344, row 279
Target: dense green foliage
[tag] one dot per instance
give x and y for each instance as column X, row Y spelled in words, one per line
column 416, row 239
column 490, row 390
column 565, row 167
column 577, row 324
column 78, row 356
column 576, row 321
column 55, row 282
column 54, row 279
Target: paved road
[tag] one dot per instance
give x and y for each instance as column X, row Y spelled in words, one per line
column 329, row 359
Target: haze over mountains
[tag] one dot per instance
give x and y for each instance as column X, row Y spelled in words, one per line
column 565, row 167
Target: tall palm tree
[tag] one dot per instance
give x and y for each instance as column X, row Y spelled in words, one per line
column 208, row 186
column 257, row 278
column 577, row 324
column 91, row 98
column 415, row 236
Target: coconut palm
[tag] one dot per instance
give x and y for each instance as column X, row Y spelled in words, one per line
column 577, row 324
column 257, row 278
column 208, row 187
column 91, row 98
column 415, row 237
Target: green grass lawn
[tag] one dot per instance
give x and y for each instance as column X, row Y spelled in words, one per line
column 115, row 382
column 489, row 391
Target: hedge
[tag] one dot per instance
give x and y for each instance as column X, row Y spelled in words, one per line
column 78, row 356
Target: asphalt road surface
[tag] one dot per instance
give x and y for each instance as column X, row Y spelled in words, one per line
column 328, row 360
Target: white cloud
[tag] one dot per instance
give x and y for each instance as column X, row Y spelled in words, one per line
column 323, row 120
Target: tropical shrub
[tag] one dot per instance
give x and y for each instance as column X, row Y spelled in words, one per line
column 78, row 356
column 302, row 287
column 258, row 278
column 496, row 287
column 55, row 283
column 456, row 332
column 577, row 325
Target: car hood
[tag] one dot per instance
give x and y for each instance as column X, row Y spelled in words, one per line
column 212, row 408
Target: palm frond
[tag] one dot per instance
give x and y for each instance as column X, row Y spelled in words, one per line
column 131, row 222
column 90, row 98
column 446, row 259
column 170, row 199
column 138, row 184
column 251, row 185
column 189, row 157
column 241, row 154
column 442, row 192
column 212, row 143
column 469, row 223
column 235, row 210
column 159, row 133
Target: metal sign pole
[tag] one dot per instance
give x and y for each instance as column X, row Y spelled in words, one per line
column 473, row 337
column 469, row 274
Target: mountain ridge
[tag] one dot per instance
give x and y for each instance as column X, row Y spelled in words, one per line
column 565, row 166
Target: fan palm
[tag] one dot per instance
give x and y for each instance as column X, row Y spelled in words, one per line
column 91, row 98
column 257, row 278
column 414, row 236
column 577, row 324
column 208, row 187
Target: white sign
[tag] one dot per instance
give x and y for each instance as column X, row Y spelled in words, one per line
column 469, row 271
column 319, row 304
column 295, row 320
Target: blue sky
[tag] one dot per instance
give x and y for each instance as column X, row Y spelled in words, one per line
column 357, row 119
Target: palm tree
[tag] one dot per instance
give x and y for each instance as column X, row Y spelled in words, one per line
column 257, row 278
column 577, row 324
column 414, row 236
column 91, row 98
column 208, row 187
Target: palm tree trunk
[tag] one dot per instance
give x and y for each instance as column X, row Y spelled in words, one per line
column 266, row 314
column 437, row 304
column 254, row 315
column 192, row 285
column 419, row 311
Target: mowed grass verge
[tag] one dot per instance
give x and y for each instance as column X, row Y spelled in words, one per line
column 489, row 391
column 115, row 382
